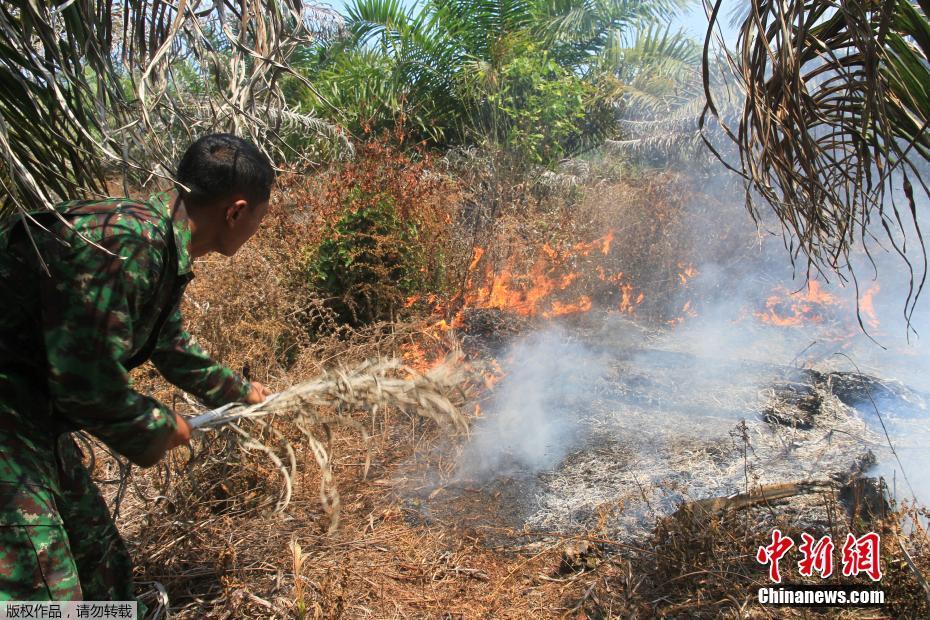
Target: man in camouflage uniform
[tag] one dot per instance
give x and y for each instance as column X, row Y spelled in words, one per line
column 68, row 339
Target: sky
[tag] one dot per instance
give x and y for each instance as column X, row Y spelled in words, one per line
column 694, row 22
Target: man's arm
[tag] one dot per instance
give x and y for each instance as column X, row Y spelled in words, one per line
column 182, row 362
column 87, row 305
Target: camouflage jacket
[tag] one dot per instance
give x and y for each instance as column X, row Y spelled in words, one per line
column 69, row 337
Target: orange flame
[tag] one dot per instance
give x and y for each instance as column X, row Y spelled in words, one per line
column 687, row 272
column 628, row 301
column 867, row 305
column 687, row 312
column 550, row 287
column 478, row 253
column 791, row 309
column 415, row 357
column 533, row 292
column 560, row 309
column 606, row 241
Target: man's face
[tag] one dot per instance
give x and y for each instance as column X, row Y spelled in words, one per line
column 241, row 222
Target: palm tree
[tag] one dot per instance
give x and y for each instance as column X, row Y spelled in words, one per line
column 90, row 87
column 438, row 45
column 450, row 60
column 832, row 134
column 662, row 98
column 580, row 29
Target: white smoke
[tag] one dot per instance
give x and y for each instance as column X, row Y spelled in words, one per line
column 894, row 348
column 535, row 415
column 611, row 412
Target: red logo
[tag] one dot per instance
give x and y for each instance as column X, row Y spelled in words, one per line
column 859, row 555
column 817, row 557
column 771, row 554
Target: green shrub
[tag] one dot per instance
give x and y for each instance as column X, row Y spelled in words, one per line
column 370, row 263
column 537, row 110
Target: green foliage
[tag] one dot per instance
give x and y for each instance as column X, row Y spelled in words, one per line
column 370, row 263
column 538, row 111
column 543, row 79
column 656, row 71
column 372, row 94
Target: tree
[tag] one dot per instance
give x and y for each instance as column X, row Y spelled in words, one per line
column 464, row 71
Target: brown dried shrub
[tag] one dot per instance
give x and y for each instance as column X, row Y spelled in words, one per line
column 387, row 219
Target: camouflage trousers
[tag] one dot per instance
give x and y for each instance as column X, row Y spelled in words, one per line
column 57, row 540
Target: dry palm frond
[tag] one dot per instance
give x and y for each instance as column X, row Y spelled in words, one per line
column 93, row 86
column 371, row 386
column 833, row 129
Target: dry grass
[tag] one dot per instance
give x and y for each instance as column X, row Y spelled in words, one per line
column 221, row 550
column 327, row 402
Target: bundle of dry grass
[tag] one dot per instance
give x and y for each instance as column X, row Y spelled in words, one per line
column 328, row 401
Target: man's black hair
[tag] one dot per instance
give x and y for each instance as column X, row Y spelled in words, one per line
column 221, row 165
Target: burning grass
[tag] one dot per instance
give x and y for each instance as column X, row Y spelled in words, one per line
column 414, row 541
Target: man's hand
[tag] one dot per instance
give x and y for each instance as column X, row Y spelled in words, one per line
column 257, row 394
column 180, row 437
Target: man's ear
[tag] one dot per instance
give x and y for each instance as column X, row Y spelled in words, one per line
column 235, row 211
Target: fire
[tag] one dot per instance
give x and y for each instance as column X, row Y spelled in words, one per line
column 560, row 309
column 601, row 245
column 478, row 253
column 542, row 290
column 867, row 305
column 556, row 282
column 687, row 312
column 791, row 309
column 606, row 241
column 415, row 357
column 520, row 294
column 816, row 305
column 546, row 289
column 628, row 299
column 687, row 272
column 492, row 374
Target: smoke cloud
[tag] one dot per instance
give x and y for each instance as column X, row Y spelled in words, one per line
column 536, row 414
column 607, row 410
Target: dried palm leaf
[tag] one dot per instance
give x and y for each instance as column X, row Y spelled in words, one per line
column 833, row 129
column 92, row 87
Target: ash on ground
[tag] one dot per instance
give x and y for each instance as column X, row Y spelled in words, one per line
column 610, row 430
